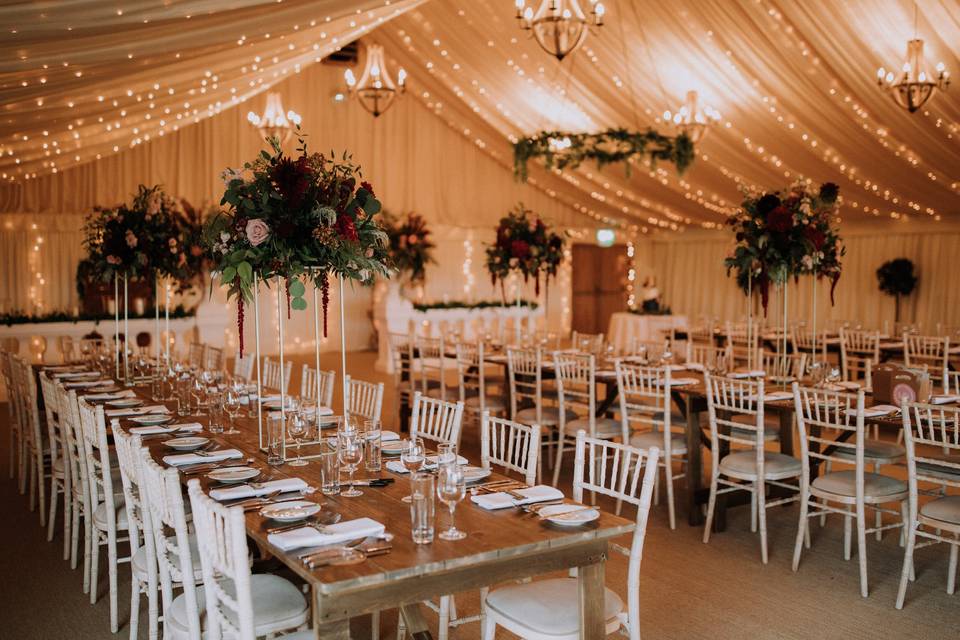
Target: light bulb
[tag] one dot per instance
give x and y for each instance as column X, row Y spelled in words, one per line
column 528, row 14
column 375, row 70
column 349, row 77
column 253, row 118
column 600, row 10
column 880, row 73
column 940, row 67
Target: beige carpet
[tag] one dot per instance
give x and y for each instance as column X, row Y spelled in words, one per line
column 688, row 589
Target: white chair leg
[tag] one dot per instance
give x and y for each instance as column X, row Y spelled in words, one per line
column 444, row 623
column 88, row 544
column 668, row 472
column 878, row 516
column 489, row 628
column 67, row 522
column 401, row 627
column 656, row 487
column 112, row 578
column 862, row 548
column 904, row 521
column 134, row 608
column 847, row 534
column 94, row 565
column 711, row 504
column 952, row 569
column 753, row 511
column 52, row 515
column 826, row 470
column 484, row 591
column 760, row 499
column 556, row 468
column 899, row 436
column 375, row 625
column 907, row 566
column 801, row 528
column 74, row 533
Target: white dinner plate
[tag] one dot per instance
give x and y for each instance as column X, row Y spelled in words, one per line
column 125, row 402
column 472, row 474
column 393, row 447
column 565, row 517
column 290, row 511
column 230, row 475
column 151, row 419
column 187, row 443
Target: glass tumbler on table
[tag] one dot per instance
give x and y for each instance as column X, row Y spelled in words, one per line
column 413, row 458
column 372, row 461
column 422, row 508
column 216, row 411
column 297, row 427
column 233, row 405
column 451, row 488
column 350, row 444
column 330, row 468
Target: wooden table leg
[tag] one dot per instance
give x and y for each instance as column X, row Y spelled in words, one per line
column 786, row 432
column 337, row 630
column 695, row 516
column 591, row 590
column 416, row 625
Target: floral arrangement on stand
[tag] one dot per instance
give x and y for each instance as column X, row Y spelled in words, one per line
column 896, row 278
column 786, row 233
column 147, row 237
column 411, row 248
column 524, row 244
column 295, row 218
column 461, row 304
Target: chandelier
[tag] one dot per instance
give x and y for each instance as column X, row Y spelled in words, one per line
column 274, row 123
column 913, row 86
column 375, row 89
column 560, row 26
column 693, row 118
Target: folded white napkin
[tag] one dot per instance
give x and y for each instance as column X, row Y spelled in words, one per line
column 606, row 373
column 332, row 534
column 695, row 366
column 190, row 427
column 679, row 382
column 773, row 396
column 73, row 374
column 431, row 463
column 501, row 500
column 944, row 399
column 755, row 373
column 389, row 436
column 114, row 395
column 875, row 411
column 258, row 489
column 178, row 459
column 85, row 384
column 135, row 411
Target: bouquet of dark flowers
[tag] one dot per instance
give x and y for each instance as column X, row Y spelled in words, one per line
column 524, row 244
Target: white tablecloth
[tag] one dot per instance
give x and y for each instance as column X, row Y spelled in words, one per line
column 626, row 327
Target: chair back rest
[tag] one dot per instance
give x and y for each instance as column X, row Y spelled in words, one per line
column 625, row 473
column 318, row 387
column 547, row 340
column 951, row 382
column 576, row 384
column 401, row 354
column 932, row 351
column 525, row 377
column 432, row 358
column 709, row 355
column 127, row 447
column 272, row 378
column 803, row 341
column 435, row 419
column 29, row 405
column 471, row 377
column 783, row 366
column 164, row 500
column 587, row 342
column 212, row 358
column 51, row 408
column 97, row 455
column 73, row 439
column 861, row 342
column 650, row 350
column 222, row 546
column 243, row 367
column 195, row 354
column 364, row 399
column 935, row 428
column 728, row 398
column 818, row 409
column 644, row 395
column 511, row 445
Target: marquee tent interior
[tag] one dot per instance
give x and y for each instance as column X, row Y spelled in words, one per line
column 99, row 97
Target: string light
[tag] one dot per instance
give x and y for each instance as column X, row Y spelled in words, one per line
column 468, row 278
column 631, row 276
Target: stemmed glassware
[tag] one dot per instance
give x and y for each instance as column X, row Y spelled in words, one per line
column 233, row 404
column 451, row 489
column 297, row 427
column 351, row 444
column 413, row 458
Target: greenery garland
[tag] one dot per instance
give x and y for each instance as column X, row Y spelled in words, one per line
column 568, row 150
column 460, row 304
column 19, row 317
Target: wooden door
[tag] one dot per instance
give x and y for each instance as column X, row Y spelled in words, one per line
column 599, row 286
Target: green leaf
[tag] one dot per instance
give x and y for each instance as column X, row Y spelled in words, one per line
column 229, row 275
column 265, row 155
column 245, row 271
column 371, row 206
column 296, row 288
column 298, row 304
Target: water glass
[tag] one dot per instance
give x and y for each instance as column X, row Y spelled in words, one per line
column 446, row 453
column 233, row 405
column 330, row 469
column 451, row 489
column 216, row 412
column 371, row 439
column 184, row 395
column 413, row 458
column 422, row 507
column 351, row 453
column 274, row 438
column 297, row 427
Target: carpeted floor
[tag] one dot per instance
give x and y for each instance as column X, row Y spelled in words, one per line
column 688, row 590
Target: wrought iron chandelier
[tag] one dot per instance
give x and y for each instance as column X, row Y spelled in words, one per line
column 559, row 26
column 274, row 123
column 375, row 89
column 693, row 118
column 913, row 86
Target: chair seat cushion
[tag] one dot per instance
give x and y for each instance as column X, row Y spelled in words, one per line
column 549, row 416
column 139, row 562
column 937, row 470
column 945, row 509
column 605, row 427
column 875, row 451
column 277, row 605
column 100, row 515
column 843, row 483
column 743, row 464
column 549, row 607
column 493, row 404
column 647, row 439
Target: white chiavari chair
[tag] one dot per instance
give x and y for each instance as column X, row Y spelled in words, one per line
column 79, row 494
column 195, row 354
column 528, row 400
column 803, row 342
column 646, row 416
column 13, row 415
column 859, row 352
column 549, row 609
column 704, row 333
column 273, row 379
column 56, row 445
column 143, row 565
column 230, row 608
column 472, row 380
column 175, row 548
column 709, row 356
column 317, row 387
column 951, row 382
column 783, row 366
column 743, row 342
column 108, row 519
column 212, row 358
column 404, row 379
column 364, row 399
column 587, row 342
column 751, row 468
column 36, row 446
column 849, row 492
column 435, row 420
column 432, row 362
column 577, row 394
column 243, row 367
column 931, row 351
column 649, row 350
column 933, row 457
column 547, row 340
column 68, row 349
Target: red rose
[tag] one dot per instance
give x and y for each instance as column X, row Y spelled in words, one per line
column 815, row 236
column 519, row 249
column 780, row 220
column 368, row 187
column 346, row 228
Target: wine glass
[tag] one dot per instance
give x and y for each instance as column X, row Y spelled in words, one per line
column 233, row 404
column 451, row 488
column 351, row 453
column 412, row 458
column 297, row 428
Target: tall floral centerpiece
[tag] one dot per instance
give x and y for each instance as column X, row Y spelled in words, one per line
column 786, row 233
column 411, row 248
column 524, row 245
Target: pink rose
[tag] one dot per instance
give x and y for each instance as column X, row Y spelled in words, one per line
column 131, row 239
column 257, row 231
